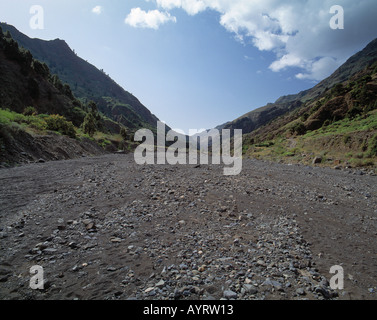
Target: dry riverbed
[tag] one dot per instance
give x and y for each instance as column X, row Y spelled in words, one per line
column 106, row 228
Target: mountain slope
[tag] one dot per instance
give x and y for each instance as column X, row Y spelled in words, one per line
column 39, row 117
column 338, row 126
column 26, row 82
column 262, row 116
column 86, row 81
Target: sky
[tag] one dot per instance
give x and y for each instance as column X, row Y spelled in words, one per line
column 197, row 64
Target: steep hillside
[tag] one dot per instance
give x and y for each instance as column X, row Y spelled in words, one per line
column 337, row 127
column 87, row 82
column 262, row 116
column 26, row 82
column 41, row 118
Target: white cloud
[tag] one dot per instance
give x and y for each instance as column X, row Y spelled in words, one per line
column 297, row 31
column 286, row 61
column 319, row 69
column 97, row 10
column 192, row 7
column 152, row 19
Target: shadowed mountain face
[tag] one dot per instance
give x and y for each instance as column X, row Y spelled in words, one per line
column 26, row 82
column 262, row 116
column 86, row 81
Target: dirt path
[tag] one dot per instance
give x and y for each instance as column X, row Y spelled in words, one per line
column 105, row 228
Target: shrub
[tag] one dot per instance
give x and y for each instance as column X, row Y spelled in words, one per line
column 67, row 91
column 124, row 133
column 346, row 139
column 365, row 79
column 304, row 117
column 36, row 122
column 338, row 90
column 372, row 106
column 89, row 125
column 7, row 35
column 298, row 128
column 265, row 144
column 289, row 154
column 354, row 111
column 60, row 124
column 372, row 150
column 40, row 68
column 317, row 106
column 30, row 111
column 56, row 82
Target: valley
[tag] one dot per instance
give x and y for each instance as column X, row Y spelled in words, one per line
column 75, row 204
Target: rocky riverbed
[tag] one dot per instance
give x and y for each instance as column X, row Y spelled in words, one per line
column 106, row 228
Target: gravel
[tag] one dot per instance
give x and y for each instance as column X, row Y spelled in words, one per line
column 106, row 228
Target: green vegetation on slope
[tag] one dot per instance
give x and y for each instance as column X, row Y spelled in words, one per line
column 286, row 105
column 87, row 82
column 339, row 127
column 33, row 100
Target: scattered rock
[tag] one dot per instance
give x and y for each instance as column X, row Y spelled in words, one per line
column 228, row 294
column 301, row 292
column 250, row 289
column 211, row 237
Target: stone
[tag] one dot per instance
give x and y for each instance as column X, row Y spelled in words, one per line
column 301, row 292
column 229, row 294
column 90, row 226
column 261, row 263
column 3, row 235
column 111, row 269
column 323, row 291
column 276, row 284
column 183, row 266
column 42, row 245
column 86, row 221
column 317, row 160
column 50, row 250
column 202, row 268
column 148, row 290
column 250, row 289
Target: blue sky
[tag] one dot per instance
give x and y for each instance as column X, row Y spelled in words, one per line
column 199, row 63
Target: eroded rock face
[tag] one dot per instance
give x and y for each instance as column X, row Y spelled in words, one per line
column 20, row 147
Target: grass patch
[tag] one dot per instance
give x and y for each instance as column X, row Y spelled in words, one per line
column 346, row 126
column 372, row 148
column 361, row 163
column 39, row 123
